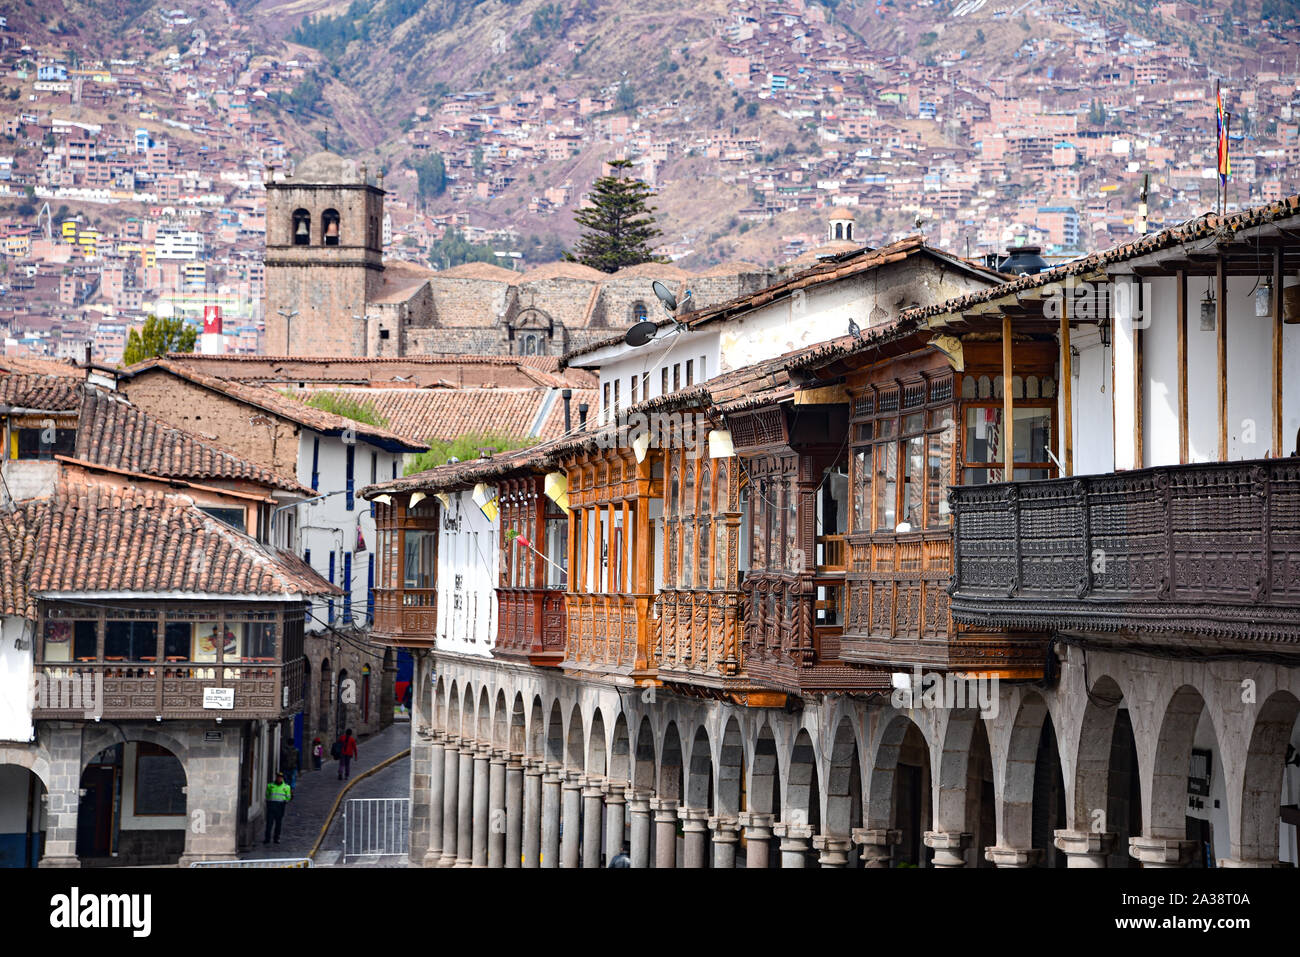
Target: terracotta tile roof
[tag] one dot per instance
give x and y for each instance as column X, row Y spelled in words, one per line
column 17, row 552
column 447, row 413
column 114, row 433
column 94, row 537
column 281, row 405
column 57, row 367
column 1203, row 227
column 48, row 393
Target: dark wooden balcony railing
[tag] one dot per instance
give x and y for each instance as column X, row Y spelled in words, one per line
column 697, row 636
column 406, row 616
column 530, row 625
column 134, row 690
column 1195, row 550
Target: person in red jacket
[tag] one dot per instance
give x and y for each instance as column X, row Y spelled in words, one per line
column 347, row 751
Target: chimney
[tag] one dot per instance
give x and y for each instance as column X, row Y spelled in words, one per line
column 567, row 396
column 90, row 347
column 582, row 416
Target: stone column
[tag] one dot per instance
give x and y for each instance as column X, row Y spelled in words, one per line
column 551, row 781
column 1013, row 856
column 638, row 809
column 570, row 822
column 593, row 819
column 876, row 843
column 480, row 814
column 437, row 796
column 758, row 837
column 514, row 848
column 1085, row 848
column 833, row 850
column 63, row 795
column 212, row 786
column 465, row 805
column 421, row 757
column 615, row 816
column 794, row 843
column 695, row 828
column 496, row 823
column 665, row 815
column 450, row 797
column 532, row 835
column 1162, row 851
column 726, row 834
column 949, row 847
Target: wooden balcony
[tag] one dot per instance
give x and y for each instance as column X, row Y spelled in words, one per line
column 1203, row 553
column 530, row 625
column 144, row 691
column 793, row 637
column 406, row 617
column 608, row 635
column 898, row 615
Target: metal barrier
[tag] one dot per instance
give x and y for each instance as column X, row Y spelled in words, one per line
column 376, row 827
column 261, row 862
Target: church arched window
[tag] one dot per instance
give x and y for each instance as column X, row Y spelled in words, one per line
column 639, row 312
column 839, row 230
column 301, row 227
column 329, row 222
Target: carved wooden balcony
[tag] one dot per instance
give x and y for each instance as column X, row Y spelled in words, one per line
column 899, row 618
column 530, row 625
column 607, row 635
column 1202, row 553
column 144, row 691
column 405, row 617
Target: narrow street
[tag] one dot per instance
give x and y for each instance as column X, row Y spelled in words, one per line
column 316, row 791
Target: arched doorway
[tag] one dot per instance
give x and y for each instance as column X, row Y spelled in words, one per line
column 133, row 807
column 22, row 816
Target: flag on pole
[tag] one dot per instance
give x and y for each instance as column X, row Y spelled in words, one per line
column 1225, row 164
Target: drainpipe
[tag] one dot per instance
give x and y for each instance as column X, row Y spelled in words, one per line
column 567, row 395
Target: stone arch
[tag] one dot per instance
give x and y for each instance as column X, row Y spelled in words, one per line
column 451, row 718
column 1255, row 837
column 699, row 778
column 329, row 227
column 1107, row 784
column 843, row 782
column 31, row 759
column 1031, row 787
column 898, row 787
column 669, row 786
column 644, row 766
column 963, row 789
column 574, row 751
column 517, row 735
column 731, row 770
column 620, row 768
column 555, row 735
column 26, row 772
column 468, row 728
column 500, row 721
column 102, row 833
column 764, row 794
column 537, row 730
column 483, row 727
column 325, row 683
column 597, row 762
column 1165, row 790
column 802, row 787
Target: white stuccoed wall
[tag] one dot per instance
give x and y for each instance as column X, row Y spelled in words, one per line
column 467, row 578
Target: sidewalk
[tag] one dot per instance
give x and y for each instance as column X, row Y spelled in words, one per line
column 316, row 791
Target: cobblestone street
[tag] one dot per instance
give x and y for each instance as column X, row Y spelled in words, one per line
column 316, row 791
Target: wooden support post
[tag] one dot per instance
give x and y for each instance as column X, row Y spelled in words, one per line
column 1138, row 419
column 1182, row 367
column 1008, row 407
column 1221, row 282
column 1067, row 390
column 1278, row 448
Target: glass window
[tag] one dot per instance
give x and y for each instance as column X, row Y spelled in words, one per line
column 557, row 547
column 792, row 542
column 886, row 490
column 70, row 641
column 861, row 489
column 1033, row 434
column 913, row 479
column 938, row 478
column 983, row 434
column 131, row 641
column 418, row 565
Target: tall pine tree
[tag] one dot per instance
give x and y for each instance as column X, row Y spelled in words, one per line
column 618, row 225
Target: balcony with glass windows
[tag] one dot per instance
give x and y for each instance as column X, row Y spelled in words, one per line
column 534, row 555
column 406, row 558
column 138, row 660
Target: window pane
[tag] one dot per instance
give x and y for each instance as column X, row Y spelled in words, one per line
column 984, row 435
column 913, row 477
column 886, row 486
column 938, row 478
column 861, row 490
column 1033, row 434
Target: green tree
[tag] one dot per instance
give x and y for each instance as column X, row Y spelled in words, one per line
column 157, row 338
column 619, row 225
column 431, row 175
column 466, row 448
column 453, row 249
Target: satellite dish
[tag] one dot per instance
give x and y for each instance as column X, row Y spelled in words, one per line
column 641, row 333
column 665, row 296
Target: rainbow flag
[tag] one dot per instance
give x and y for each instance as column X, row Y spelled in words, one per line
column 1225, row 164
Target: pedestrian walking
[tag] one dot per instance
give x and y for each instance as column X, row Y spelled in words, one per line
column 317, row 754
column 278, row 796
column 289, row 761
column 347, row 751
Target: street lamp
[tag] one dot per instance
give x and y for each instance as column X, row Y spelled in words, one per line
column 287, row 315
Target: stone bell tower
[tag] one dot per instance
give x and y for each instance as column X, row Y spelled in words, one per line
column 324, row 257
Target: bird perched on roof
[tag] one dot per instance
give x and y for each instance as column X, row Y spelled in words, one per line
column 854, row 330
